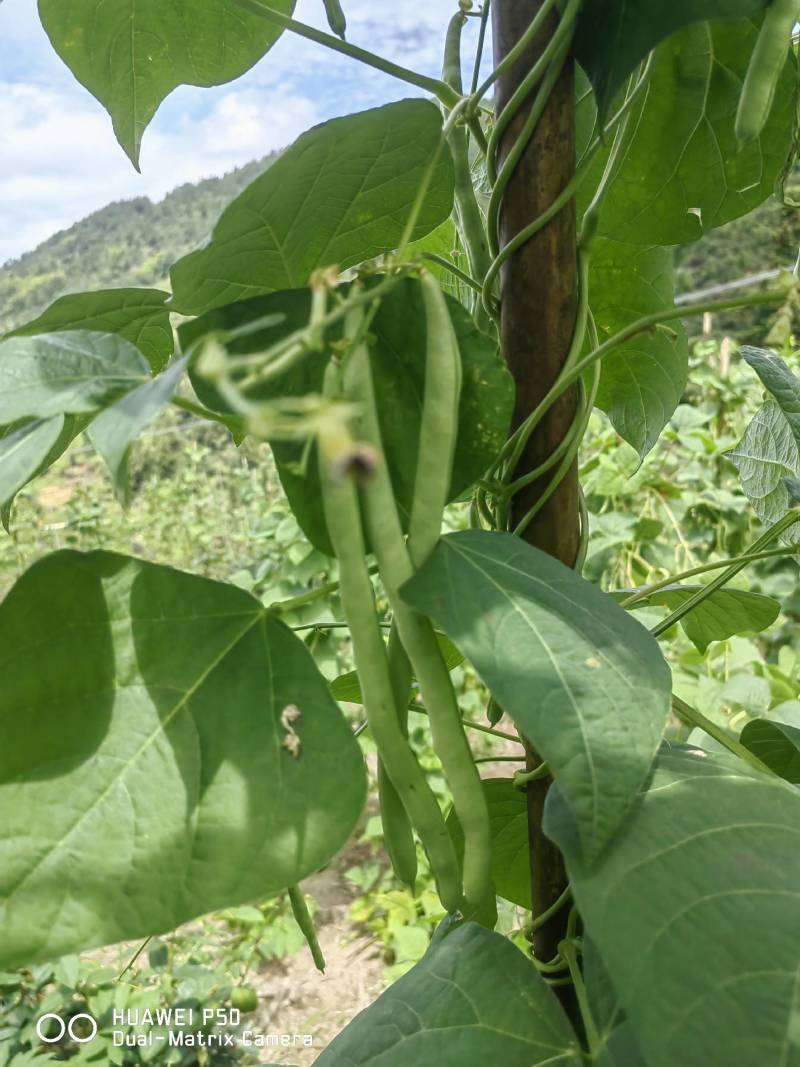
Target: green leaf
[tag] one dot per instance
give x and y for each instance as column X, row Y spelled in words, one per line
column 162, row 781
column 340, row 195
column 22, row 450
column 641, row 382
column 138, row 315
column 682, row 170
column 693, row 908
column 777, row 744
column 511, row 862
column 66, row 373
column 721, row 615
column 115, row 429
column 766, row 457
column 614, row 36
column 779, row 382
column 473, row 998
column 131, row 54
column 70, row 427
column 398, row 362
column 577, row 674
column 444, row 241
column 347, row 687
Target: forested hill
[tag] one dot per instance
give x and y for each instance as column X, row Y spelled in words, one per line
column 133, row 242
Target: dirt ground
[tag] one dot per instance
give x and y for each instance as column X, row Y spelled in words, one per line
column 296, row 999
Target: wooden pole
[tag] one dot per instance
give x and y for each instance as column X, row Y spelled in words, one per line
column 539, row 301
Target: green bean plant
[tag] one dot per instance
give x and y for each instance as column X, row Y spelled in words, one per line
column 170, row 748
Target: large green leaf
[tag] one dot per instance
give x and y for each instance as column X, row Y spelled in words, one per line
column 138, row 315
column 721, row 615
column 682, row 171
column 22, row 450
column 342, row 193
column 66, row 373
column 398, row 363
column 765, row 457
column 148, row 767
column 693, row 908
column 777, row 744
column 114, row 430
column 614, row 36
column 131, row 54
column 579, row 676
column 472, row 999
column 511, row 857
column 641, row 382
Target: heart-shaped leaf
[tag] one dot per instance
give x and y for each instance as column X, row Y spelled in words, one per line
column 473, row 998
column 693, row 908
column 131, row 54
column 66, row 374
column 614, row 36
column 115, row 429
column 721, row 615
column 682, row 171
column 777, row 744
column 138, row 315
column 641, row 382
column 579, row 676
column 343, row 193
column 176, row 752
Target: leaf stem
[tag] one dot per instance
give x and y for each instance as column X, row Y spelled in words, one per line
column 432, row 85
column 692, row 717
column 748, row 557
column 789, row 519
column 569, row 953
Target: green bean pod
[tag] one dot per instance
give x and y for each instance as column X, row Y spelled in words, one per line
column 336, row 19
column 343, row 518
column 764, row 69
column 466, row 211
column 398, row 834
column 417, row 634
column 439, row 427
column 302, row 916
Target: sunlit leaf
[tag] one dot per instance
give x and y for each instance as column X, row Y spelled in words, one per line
column 131, row 54
column 682, row 171
column 66, row 373
column 138, row 315
column 342, row 193
column 115, row 429
column 614, row 36
column 641, row 382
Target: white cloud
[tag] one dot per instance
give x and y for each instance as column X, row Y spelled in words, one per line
column 60, row 160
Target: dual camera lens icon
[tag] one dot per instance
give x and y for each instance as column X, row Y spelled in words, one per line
column 51, row 1028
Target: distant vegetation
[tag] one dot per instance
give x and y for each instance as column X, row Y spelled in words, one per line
column 133, row 242
column 130, row 242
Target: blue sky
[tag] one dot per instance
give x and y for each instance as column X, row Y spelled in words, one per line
column 59, row 159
